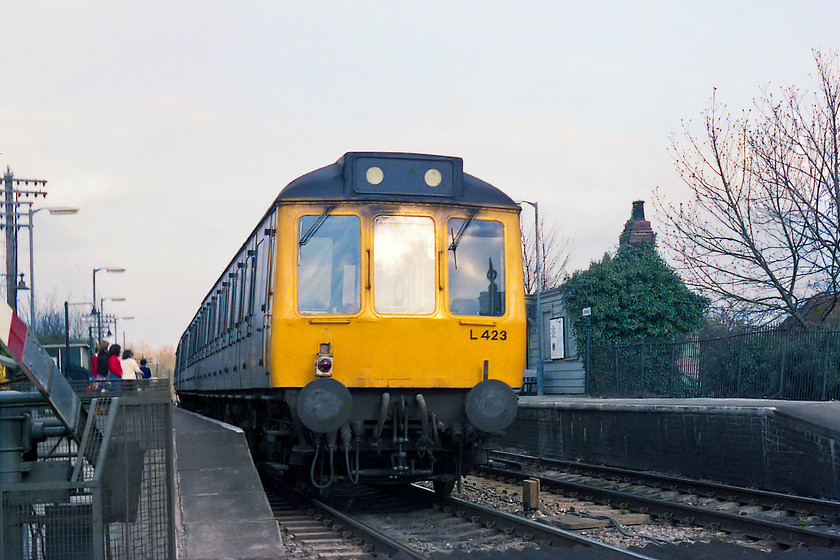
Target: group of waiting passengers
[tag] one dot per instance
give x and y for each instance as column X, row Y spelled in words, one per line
column 106, row 364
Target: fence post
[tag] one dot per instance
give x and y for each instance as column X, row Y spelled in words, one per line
column 673, row 368
column 702, row 372
column 740, row 358
column 615, row 347
column 825, row 365
column 783, row 364
column 642, row 367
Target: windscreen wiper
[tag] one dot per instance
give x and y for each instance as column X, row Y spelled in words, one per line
column 313, row 229
column 456, row 238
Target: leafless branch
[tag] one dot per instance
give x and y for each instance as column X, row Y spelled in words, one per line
column 763, row 226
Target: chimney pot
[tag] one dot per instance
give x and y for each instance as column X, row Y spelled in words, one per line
column 638, row 210
column 640, row 230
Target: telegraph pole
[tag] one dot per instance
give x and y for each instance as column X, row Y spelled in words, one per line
column 11, row 241
column 11, row 201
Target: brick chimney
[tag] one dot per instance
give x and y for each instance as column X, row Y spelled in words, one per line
column 640, row 230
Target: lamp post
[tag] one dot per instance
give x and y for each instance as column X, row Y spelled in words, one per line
column 59, row 211
column 540, row 364
column 587, row 382
column 94, row 311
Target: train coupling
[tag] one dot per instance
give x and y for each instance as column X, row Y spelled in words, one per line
column 399, row 463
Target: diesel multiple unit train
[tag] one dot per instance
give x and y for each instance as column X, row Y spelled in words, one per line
column 371, row 327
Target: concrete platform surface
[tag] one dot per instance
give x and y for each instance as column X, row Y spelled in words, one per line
column 222, row 512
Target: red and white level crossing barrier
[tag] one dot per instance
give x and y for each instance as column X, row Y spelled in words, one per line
column 39, row 367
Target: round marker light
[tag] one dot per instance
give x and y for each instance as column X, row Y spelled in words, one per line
column 433, row 177
column 374, row 175
column 325, row 365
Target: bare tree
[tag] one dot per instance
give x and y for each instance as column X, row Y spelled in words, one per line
column 555, row 249
column 50, row 323
column 761, row 230
column 799, row 148
column 161, row 360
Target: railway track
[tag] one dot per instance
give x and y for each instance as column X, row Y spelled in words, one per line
column 785, row 519
column 365, row 522
column 321, row 531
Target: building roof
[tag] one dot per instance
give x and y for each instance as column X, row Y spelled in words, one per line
column 821, row 309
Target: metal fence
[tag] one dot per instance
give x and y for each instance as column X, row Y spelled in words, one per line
column 773, row 364
column 110, row 496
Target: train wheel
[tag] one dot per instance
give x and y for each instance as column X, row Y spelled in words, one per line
column 446, row 476
column 444, row 488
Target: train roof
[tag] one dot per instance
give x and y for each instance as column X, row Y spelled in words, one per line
column 400, row 177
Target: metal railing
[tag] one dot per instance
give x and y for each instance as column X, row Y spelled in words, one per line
column 111, row 495
column 772, row 364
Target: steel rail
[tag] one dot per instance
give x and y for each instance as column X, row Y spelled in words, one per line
column 803, row 505
column 686, row 513
column 374, row 537
column 371, row 536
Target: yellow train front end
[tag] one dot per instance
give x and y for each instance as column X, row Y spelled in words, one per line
column 403, row 310
column 398, row 317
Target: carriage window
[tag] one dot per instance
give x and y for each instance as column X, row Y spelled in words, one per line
column 404, row 265
column 476, row 267
column 328, row 264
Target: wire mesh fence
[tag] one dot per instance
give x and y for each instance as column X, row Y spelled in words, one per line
column 772, row 364
column 108, row 496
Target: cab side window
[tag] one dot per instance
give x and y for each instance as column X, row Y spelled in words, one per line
column 476, row 267
column 329, row 264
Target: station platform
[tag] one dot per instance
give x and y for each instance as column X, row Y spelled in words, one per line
column 221, row 510
column 783, row 446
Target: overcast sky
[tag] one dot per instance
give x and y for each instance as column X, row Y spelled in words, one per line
column 173, row 125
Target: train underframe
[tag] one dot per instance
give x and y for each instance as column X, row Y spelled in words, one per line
column 392, row 437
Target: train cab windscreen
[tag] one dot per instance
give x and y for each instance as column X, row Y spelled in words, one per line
column 404, row 265
column 476, row 267
column 329, row 264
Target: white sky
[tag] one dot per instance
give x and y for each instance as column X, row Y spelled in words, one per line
column 173, row 125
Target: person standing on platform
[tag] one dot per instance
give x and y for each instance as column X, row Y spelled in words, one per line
column 130, row 370
column 100, row 362
column 114, row 365
column 147, row 373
